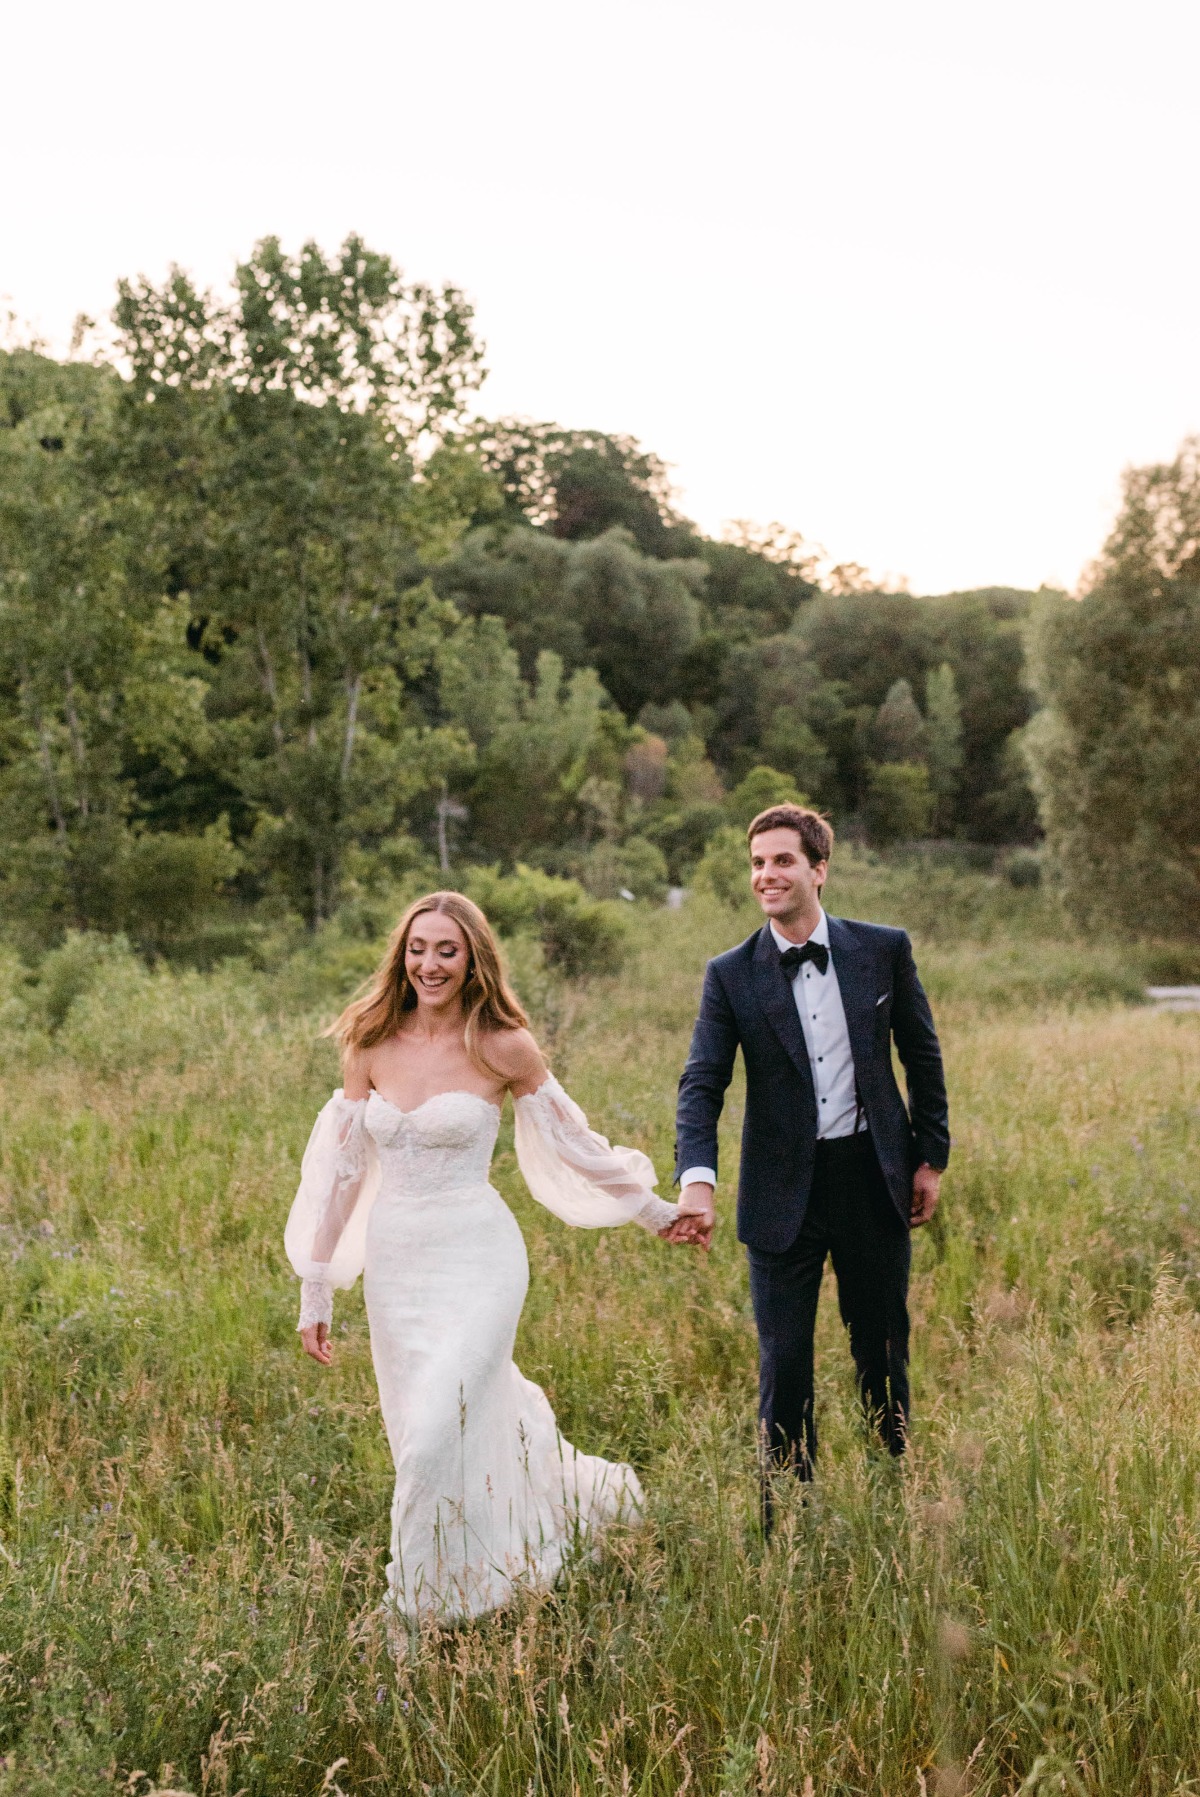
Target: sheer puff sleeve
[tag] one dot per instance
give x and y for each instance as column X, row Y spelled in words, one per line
column 576, row 1173
column 326, row 1231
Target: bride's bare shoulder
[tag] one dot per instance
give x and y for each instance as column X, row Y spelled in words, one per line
column 516, row 1057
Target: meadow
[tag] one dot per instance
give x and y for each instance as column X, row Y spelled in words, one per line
column 193, row 1518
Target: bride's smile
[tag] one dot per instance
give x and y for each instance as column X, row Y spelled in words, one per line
column 437, row 961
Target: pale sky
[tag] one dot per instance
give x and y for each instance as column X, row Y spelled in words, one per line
column 916, row 280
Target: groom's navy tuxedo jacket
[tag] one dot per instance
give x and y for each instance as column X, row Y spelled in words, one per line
column 747, row 1002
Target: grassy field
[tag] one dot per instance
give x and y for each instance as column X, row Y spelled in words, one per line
column 193, row 1518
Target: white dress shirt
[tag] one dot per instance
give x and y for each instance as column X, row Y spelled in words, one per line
column 823, row 1019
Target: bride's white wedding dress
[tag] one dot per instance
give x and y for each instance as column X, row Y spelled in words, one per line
column 488, row 1493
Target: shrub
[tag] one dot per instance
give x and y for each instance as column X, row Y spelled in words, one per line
column 579, row 935
column 167, row 884
column 683, row 835
column 899, row 802
column 762, row 786
column 1170, row 963
column 132, row 1019
column 582, row 938
column 724, row 868
column 635, row 865
column 1023, row 867
column 14, row 992
column 70, row 971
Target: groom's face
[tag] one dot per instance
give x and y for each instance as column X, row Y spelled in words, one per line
column 785, row 882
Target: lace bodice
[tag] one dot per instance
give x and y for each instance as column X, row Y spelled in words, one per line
column 359, row 1148
column 439, row 1145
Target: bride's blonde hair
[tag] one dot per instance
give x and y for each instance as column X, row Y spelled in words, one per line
column 488, row 1001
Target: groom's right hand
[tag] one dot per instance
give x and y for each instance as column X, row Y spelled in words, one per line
column 697, row 1216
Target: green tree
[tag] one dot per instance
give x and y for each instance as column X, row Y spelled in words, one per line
column 899, row 733
column 774, row 706
column 638, row 616
column 537, row 742
column 579, row 936
column 762, row 786
column 636, row 866
column 292, row 439
column 944, row 738
column 758, row 580
column 861, row 644
column 899, row 803
column 578, row 484
column 598, row 603
column 1116, row 749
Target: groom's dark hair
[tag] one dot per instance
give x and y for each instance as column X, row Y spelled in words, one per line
column 815, row 832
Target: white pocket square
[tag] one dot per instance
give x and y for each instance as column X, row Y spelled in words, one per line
column 882, row 999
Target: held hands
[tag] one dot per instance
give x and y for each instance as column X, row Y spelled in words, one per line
column 697, row 1210
column 315, row 1341
column 925, row 1184
column 697, row 1217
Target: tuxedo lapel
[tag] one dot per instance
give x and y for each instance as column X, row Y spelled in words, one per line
column 858, row 992
column 774, row 993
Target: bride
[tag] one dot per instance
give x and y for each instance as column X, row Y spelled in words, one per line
column 394, row 1185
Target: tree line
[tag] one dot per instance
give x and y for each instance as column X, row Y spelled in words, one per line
column 282, row 623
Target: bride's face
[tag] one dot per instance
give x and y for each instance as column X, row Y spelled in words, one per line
column 436, row 959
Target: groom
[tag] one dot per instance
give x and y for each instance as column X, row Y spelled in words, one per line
column 832, row 1162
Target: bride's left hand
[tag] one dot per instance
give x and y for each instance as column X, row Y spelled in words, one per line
column 315, row 1341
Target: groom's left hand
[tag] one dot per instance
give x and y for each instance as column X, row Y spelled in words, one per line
column 925, row 1186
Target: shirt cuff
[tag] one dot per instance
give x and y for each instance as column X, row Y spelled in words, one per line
column 698, row 1176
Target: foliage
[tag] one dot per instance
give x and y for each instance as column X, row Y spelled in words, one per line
column 537, row 742
column 634, row 867
column 772, row 700
column 724, row 867
column 1023, row 867
column 301, row 402
column 599, row 602
column 900, row 802
column 69, row 971
column 683, row 833
column 898, row 732
column 580, row 484
column 226, row 613
column 579, row 936
column 944, row 741
column 762, row 786
column 276, row 617
column 1116, row 750
column 862, row 644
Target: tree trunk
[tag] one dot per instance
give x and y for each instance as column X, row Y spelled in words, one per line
column 306, row 690
column 443, row 845
column 60, row 822
column 76, row 736
column 268, row 672
column 353, row 688
column 47, row 761
column 447, row 809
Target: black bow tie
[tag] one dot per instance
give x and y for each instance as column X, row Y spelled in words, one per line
column 792, row 959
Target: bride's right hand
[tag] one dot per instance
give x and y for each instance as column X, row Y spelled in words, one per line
column 315, row 1341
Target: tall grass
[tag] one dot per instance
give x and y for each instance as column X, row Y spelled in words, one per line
column 193, row 1519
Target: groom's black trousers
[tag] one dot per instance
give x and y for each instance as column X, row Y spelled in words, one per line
column 851, row 1217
